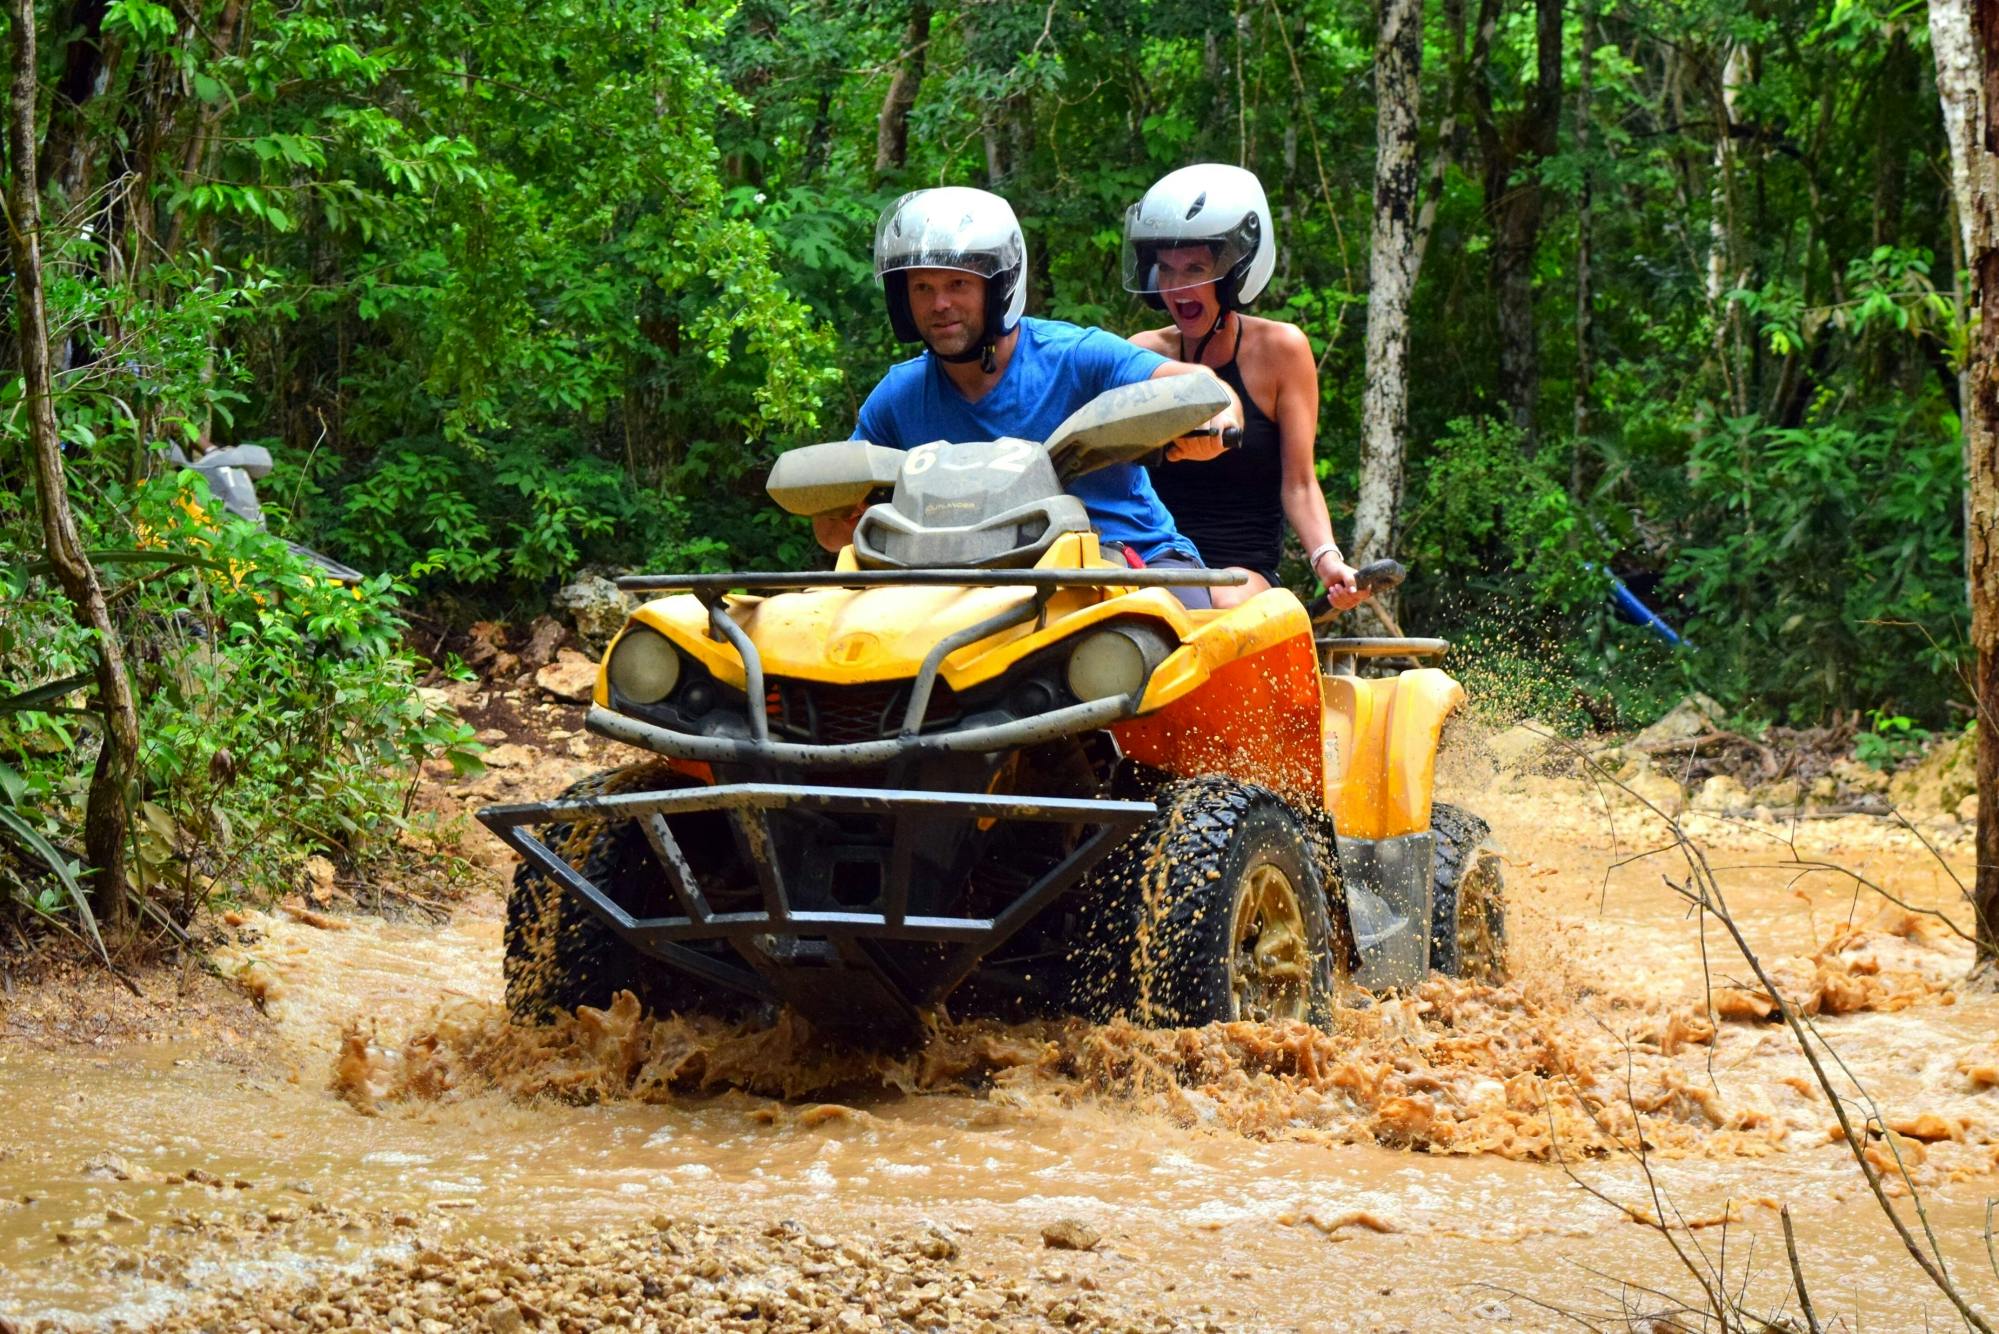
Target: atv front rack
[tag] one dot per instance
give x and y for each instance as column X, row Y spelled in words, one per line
column 774, row 582
column 788, row 948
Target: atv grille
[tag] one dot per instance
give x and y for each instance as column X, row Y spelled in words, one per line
column 830, row 715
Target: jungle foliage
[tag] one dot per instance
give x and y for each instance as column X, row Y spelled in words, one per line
column 512, row 288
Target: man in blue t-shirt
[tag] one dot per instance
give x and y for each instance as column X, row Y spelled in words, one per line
column 952, row 264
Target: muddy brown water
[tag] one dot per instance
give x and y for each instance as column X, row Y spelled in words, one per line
column 1423, row 1168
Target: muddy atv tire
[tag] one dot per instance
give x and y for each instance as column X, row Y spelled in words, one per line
column 1228, row 910
column 559, row 954
column 1468, row 924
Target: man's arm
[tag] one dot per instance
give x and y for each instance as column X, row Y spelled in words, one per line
column 1202, row 446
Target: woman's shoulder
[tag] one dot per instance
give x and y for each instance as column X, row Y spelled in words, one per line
column 1275, row 337
column 1155, row 340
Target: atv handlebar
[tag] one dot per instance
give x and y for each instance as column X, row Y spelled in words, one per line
column 1231, row 439
column 1374, row 577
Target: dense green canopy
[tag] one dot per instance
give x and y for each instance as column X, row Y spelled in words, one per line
column 512, row 288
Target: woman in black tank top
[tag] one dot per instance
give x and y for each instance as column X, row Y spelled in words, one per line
column 1199, row 246
column 1231, row 507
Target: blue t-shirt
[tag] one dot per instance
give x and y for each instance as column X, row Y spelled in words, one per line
column 1055, row 369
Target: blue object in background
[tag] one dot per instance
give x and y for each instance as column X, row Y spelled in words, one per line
column 1631, row 609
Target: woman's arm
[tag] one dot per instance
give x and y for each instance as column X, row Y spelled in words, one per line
column 1297, row 430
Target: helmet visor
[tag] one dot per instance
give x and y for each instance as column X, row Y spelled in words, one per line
column 920, row 238
column 1168, row 259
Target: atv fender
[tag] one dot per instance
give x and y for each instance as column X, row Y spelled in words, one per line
column 1239, row 698
column 1381, row 749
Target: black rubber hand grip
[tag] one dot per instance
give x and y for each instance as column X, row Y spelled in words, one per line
column 1372, row 577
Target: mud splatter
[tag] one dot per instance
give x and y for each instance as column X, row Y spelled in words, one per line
column 1842, row 977
column 1519, row 1071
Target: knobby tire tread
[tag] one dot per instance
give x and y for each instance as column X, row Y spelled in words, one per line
column 1171, row 875
column 1462, row 838
column 559, row 954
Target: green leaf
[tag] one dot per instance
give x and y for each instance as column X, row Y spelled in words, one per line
column 30, row 839
column 37, row 696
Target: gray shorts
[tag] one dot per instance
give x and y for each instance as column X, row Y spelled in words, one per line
column 1194, row 599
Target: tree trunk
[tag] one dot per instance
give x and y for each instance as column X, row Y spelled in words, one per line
column 892, row 129
column 1722, row 273
column 1398, row 63
column 1513, row 155
column 1450, row 130
column 819, row 141
column 1966, row 44
column 90, row 60
column 117, row 762
column 1984, row 484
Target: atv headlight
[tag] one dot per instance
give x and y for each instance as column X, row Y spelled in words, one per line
column 644, row 666
column 1114, row 662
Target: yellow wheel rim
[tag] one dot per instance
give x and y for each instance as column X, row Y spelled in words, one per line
column 1270, row 964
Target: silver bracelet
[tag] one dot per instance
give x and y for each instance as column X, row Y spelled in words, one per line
column 1320, row 552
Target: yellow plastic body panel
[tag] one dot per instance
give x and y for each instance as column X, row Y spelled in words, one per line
column 1241, row 695
column 1381, row 749
column 857, row 635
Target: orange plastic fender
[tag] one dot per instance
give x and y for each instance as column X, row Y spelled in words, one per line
column 1255, row 718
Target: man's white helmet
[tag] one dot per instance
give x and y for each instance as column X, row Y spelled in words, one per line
column 953, row 227
column 1208, row 204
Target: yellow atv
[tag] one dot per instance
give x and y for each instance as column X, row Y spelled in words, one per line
column 981, row 760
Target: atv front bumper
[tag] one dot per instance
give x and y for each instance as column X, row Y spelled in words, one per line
column 827, row 960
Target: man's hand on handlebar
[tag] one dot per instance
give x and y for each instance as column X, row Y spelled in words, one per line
column 834, row 529
column 1207, row 442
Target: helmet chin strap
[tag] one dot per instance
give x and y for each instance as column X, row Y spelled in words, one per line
column 1221, row 318
column 982, row 354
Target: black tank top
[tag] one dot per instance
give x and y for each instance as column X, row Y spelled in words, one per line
column 1232, row 506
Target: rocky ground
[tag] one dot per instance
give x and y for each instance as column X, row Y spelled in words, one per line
column 679, row 1275
column 1690, row 761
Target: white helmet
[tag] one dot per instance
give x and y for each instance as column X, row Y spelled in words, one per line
column 1208, row 204
column 953, row 227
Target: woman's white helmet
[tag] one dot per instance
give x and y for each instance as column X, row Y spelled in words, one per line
column 1208, row 204
column 953, row 227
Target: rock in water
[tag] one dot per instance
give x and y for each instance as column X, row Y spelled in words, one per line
column 1069, row 1234
column 1946, row 776
column 1780, row 796
column 1652, row 786
column 1719, row 795
column 571, row 677
column 318, row 879
column 596, row 608
column 1689, row 718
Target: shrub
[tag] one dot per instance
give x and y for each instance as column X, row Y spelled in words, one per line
column 278, row 709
